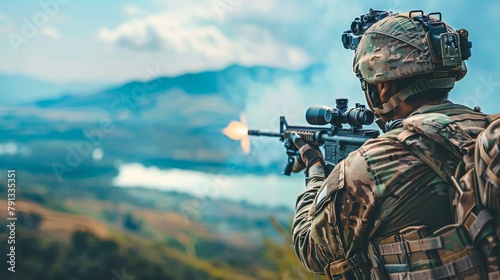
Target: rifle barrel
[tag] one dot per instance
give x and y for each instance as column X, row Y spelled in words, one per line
column 263, row 133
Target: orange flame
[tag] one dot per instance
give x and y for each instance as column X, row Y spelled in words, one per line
column 238, row 130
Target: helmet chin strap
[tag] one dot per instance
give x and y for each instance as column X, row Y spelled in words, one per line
column 379, row 108
column 419, row 86
column 373, row 100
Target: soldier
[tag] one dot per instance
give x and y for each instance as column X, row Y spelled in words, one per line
column 383, row 212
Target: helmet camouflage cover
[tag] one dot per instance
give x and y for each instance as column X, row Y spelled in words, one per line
column 396, row 47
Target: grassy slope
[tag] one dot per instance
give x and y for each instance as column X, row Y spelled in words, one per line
column 158, row 227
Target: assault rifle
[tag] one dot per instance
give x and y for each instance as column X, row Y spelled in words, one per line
column 336, row 140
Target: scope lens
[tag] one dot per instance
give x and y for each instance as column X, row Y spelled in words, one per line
column 319, row 115
column 360, row 116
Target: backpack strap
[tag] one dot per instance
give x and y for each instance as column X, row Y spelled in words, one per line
column 443, row 130
column 487, row 164
column 441, row 143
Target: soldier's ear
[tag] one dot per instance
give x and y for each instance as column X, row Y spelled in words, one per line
column 384, row 91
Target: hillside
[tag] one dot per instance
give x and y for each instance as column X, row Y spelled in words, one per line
column 116, row 221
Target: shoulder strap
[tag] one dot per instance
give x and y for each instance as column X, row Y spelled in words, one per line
column 443, row 130
column 439, row 142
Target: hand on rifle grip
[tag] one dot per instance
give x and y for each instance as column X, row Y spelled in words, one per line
column 294, row 164
column 309, row 154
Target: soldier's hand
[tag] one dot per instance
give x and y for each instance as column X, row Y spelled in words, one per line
column 298, row 165
column 309, row 154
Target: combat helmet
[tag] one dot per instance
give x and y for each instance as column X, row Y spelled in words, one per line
column 403, row 45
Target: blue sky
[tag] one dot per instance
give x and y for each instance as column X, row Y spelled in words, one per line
column 115, row 41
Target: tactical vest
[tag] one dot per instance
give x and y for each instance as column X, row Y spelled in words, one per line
column 467, row 249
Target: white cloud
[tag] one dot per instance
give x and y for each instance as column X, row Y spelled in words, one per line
column 132, row 10
column 51, row 32
column 199, row 37
column 3, row 17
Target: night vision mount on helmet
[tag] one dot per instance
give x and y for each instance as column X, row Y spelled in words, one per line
column 391, row 46
column 448, row 47
column 350, row 38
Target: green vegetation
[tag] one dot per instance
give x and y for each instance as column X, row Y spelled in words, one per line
column 86, row 257
column 283, row 256
column 131, row 223
column 102, row 232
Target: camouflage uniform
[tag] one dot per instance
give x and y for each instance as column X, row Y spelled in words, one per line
column 377, row 213
column 371, row 195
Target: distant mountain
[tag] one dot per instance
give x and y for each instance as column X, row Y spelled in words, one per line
column 208, row 82
column 22, row 89
column 168, row 122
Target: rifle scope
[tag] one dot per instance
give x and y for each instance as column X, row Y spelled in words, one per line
column 321, row 115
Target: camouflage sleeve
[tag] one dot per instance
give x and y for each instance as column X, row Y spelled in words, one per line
column 356, row 201
column 312, row 256
column 333, row 216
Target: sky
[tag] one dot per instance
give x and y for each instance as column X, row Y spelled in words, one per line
column 116, row 41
